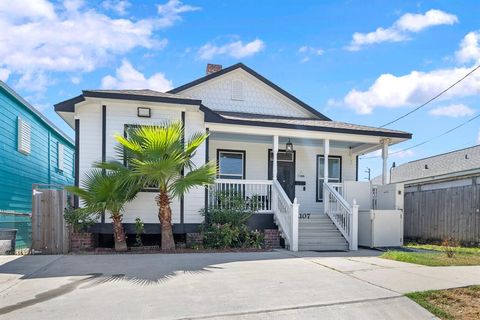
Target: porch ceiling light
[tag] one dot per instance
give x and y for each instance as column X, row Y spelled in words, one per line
column 289, row 146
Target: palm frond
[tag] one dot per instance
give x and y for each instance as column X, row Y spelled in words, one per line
column 204, row 175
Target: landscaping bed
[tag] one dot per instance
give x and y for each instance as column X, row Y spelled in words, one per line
column 435, row 255
column 156, row 249
column 458, row 303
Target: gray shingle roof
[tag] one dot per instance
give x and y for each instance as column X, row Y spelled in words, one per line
column 141, row 92
column 309, row 122
column 455, row 162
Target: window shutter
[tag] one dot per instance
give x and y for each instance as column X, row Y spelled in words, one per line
column 237, row 90
column 60, row 156
column 24, row 133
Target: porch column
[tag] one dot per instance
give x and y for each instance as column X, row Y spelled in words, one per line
column 274, row 162
column 385, row 177
column 326, row 151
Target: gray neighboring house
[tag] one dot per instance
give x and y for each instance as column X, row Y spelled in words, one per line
column 442, row 195
column 446, row 167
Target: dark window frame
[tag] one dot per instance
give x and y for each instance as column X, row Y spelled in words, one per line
column 317, row 177
column 244, row 154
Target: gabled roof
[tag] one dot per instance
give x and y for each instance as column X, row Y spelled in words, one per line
column 455, row 163
column 259, row 77
column 299, row 123
column 137, row 95
column 37, row 113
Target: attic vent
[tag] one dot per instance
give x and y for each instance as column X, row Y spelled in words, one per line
column 23, row 136
column 237, row 90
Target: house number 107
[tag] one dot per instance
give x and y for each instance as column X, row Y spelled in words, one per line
column 304, row 216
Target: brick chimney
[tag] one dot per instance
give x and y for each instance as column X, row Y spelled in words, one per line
column 212, row 68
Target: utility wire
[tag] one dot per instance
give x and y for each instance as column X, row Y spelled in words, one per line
column 427, row 141
column 432, row 99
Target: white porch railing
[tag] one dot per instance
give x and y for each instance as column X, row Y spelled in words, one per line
column 256, row 193
column 344, row 216
column 286, row 215
column 338, row 187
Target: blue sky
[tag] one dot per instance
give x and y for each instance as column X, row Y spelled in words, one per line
column 359, row 63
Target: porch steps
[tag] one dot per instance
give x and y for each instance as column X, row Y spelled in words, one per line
column 318, row 233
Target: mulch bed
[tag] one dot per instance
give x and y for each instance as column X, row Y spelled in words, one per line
column 156, row 249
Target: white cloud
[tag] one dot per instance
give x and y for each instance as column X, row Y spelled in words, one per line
column 307, row 52
column 390, row 91
column 417, row 22
column 4, row 74
column 236, row 49
column 39, row 38
column 402, row 28
column 478, row 137
column 469, row 48
column 118, row 6
column 453, row 111
column 75, row 79
column 127, row 77
column 170, row 12
column 311, row 50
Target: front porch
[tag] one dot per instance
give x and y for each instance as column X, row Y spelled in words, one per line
column 285, row 176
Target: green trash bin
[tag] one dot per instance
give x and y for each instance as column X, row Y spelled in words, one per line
column 7, row 240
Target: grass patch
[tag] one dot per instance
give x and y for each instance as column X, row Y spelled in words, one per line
column 436, row 256
column 439, row 248
column 433, row 259
column 458, row 303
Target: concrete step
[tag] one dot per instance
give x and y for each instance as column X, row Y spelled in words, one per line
column 331, row 235
column 321, row 242
column 323, row 247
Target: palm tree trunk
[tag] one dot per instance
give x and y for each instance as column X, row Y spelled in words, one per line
column 118, row 232
column 165, row 218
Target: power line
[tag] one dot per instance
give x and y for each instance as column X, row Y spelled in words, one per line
column 432, row 99
column 427, row 141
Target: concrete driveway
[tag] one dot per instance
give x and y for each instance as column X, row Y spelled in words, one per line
column 263, row 285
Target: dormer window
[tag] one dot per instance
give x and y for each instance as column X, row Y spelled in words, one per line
column 237, row 90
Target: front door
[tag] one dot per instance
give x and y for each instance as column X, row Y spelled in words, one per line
column 285, row 171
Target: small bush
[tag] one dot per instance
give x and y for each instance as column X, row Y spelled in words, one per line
column 78, row 219
column 450, row 247
column 224, row 225
column 139, row 230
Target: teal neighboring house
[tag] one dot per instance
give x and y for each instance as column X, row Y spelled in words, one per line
column 32, row 151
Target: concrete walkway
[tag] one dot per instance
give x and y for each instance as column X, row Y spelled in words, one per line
column 268, row 285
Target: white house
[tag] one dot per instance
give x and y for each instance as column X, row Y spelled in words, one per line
column 250, row 121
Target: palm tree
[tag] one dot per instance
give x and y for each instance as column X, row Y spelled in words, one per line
column 158, row 156
column 106, row 190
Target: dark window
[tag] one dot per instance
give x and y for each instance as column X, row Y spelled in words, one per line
column 231, row 164
column 334, row 173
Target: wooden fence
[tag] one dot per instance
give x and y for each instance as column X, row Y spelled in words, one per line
column 49, row 231
column 443, row 212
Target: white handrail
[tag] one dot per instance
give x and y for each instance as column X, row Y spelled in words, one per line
column 257, row 194
column 286, row 215
column 344, row 216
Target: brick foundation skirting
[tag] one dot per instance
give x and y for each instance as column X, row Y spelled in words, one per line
column 272, row 238
column 81, row 241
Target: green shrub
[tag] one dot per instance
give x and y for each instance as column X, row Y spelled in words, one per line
column 79, row 220
column 139, row 230
column 225, row 227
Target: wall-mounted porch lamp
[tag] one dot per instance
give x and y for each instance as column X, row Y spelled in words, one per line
column 289, row 146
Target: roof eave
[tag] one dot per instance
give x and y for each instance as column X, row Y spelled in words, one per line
column 213, row 117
